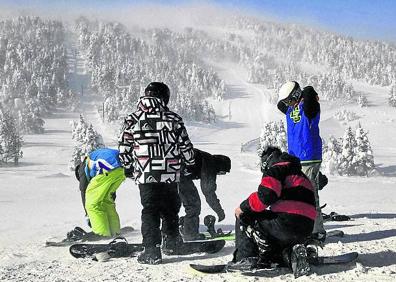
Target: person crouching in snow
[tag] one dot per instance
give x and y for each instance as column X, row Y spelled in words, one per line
column 274, row 222
column 206, row 168
column 100, row 175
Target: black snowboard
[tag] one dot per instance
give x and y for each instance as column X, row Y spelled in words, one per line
column 333, row 216
column 230, row 267
column 202, row 246
column 119, row 247
column 80, row 235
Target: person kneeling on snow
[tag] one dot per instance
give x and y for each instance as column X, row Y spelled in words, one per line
column 274, row 222
column 100, row 175
column 206, row 168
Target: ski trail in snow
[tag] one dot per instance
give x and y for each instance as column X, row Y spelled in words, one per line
column 245, row 109
column 91, row 103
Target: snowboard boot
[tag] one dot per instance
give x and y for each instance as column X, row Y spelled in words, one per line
column 298, row 261
column 172, row 245
column 312, row 252
column 150, row 255
column 319, row 236
column 76, row 234
column 90, row 236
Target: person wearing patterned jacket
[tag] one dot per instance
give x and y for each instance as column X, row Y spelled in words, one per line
column 154, row 150
column 273, row 222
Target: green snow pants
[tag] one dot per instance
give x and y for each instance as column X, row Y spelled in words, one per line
column 100, row 205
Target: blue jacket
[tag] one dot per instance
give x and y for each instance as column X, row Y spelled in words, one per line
column 101, row 160
column 303, row 137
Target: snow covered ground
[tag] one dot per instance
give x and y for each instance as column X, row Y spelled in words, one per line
column 40, row 199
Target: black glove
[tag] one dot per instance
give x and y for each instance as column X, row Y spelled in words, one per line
column 323, row 180
column 188, row 170
column 129, row 172
column 220, row 215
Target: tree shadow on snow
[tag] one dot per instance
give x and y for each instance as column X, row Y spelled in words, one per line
column 55, row 131
column 374, row 215
column 389, row 171
column 228, row 124
column 11, row 167
column 329, row 227
column 384, row 258
column 329, row 269
column 235, row 91
column 371, row 236
column 226, row 251
column 42, row 144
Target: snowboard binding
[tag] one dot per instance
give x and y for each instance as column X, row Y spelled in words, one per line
column 76, row 234
column 333, row 216
column 117, row 248
column 209, row 222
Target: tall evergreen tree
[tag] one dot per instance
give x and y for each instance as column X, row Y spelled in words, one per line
column 331, row 156
column 86, row 140
column 273, row 134
column 363, row 159
column 347, row 153
column 10, row 138
column 392, row 96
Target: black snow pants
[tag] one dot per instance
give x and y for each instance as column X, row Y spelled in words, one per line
column 278, row 230
column 159, row 201
column 192, row 204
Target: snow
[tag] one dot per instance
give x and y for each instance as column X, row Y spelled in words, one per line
column 39, row 199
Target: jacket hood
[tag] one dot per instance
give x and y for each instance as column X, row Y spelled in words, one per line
column 151, row 104
column 285, row 157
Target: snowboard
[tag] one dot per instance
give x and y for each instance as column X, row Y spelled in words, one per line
column 230, row 235
column 232, row 267
column 227, row 236
column 333, row 216
column 119, row 247
column 199, row 246
column 82, row 236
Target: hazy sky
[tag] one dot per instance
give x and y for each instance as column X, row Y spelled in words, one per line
column 368, row 19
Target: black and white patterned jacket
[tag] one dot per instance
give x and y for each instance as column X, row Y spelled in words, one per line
column 155, row 143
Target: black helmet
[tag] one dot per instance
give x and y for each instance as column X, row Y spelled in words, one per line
column 266, row 156
column 159, row 90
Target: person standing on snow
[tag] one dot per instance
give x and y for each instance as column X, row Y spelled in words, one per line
column 155, row 149
column 206, row 168
column 302, row 110
column 100, row 175
column 273, row 222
